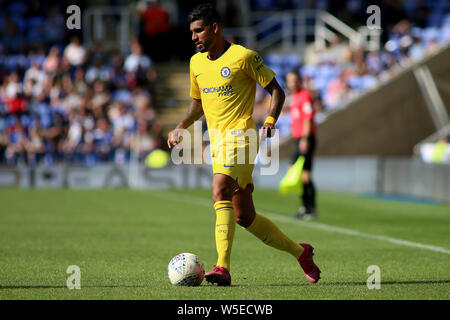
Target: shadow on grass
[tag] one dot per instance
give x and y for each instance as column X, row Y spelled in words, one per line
column 65, row 287
column 346, row 283
column 321, row 283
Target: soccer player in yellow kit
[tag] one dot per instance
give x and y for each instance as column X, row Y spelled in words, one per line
column 223, row 85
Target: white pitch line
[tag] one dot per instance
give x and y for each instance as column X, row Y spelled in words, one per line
column 327, row 227
column 318, row 226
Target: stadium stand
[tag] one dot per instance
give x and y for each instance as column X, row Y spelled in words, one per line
column 60, row 101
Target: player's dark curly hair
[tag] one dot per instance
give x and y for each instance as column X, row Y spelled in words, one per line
column 205, row 12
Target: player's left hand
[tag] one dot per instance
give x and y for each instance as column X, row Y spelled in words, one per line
column 266, row 130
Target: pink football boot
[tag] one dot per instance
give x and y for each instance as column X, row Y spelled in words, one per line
column 218, row 275
column 312, row 272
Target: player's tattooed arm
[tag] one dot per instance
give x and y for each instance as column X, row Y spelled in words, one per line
column 276, row 104
column 278, row 97
column 195, row 112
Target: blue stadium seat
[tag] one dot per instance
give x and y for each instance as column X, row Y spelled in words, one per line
column 308, row 70
column 321, row 83
column 36, row 58
column 445, row 34
column 281, row 81
column 273, row 60
column 328, row 71
column 17, row 8
column 410, row 7
column 122, row 96
column 430, row 33
column 21, row 23
column 368, row 81
column 447, row 19
column 10, row 63
column 35, row 22
column 354, row 82
column 3, row 124
column 435, row 19
column 277, row 69
column 25, row 120
column 292, row 61
column 416, row 32
column 44, row 112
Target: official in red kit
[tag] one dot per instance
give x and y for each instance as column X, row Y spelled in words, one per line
column 304, row 131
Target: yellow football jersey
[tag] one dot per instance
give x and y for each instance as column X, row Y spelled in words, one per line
column 227, row 87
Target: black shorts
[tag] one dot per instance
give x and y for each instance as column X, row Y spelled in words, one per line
column 308, row 155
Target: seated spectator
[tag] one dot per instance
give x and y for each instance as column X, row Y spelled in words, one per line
column 123, row 121
column 117, row 75
column 79, row 82
column 374, row 62
column 417, row 50
column 100, row 99
column 103, row 138
column 75, row 53
column 35, row 73
column 14, row 96
column 143, row 141
column 143, row 106
column 432, row 46
column 34, row 146
column 97, row 71
column 337, row 90
column 52, row 62
column 17, row 140
column 137, row 61
column 13, row 86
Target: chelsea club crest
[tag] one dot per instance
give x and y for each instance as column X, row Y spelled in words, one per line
column 225, row 72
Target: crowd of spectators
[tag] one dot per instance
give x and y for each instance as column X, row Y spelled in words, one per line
column 77, row 105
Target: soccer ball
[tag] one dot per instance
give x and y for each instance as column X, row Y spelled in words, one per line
column 186, row 269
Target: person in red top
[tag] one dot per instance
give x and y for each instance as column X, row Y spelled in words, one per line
column 303, row 130
column 155, row 30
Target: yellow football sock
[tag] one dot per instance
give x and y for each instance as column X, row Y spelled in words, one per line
column 269, row 233
column 225, row 227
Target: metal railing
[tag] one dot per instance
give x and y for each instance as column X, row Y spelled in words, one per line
column 431, row 95
column 293, row 29
column 111, row 26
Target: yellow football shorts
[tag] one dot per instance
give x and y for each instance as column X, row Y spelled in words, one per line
column 235, row 161
column 241, row 173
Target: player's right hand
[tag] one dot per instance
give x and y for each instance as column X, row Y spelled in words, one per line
column 174, row 137
column 266, row 130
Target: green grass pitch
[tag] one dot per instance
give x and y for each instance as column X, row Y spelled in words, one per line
column 122, row 240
